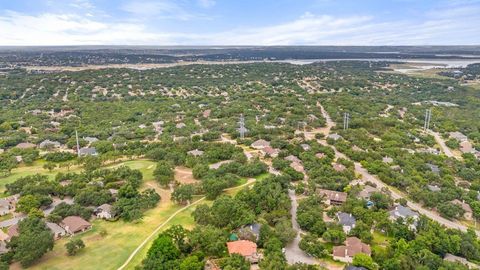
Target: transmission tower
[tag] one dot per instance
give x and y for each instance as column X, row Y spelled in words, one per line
column 242, row 128
column 428, row 117
column 346, row 120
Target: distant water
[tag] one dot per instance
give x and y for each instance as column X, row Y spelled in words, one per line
column 436, row 63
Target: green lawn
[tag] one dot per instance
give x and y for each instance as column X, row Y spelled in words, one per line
column 122, row 238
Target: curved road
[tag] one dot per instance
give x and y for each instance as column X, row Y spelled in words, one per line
column 366, row 176
column 293, row 253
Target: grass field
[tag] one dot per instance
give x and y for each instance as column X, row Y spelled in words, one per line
column 112, row 250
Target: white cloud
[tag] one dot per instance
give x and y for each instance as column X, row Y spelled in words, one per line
column 161, row 9
column 206, row 3
column 458, row 24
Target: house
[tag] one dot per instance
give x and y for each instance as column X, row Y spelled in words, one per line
column 180, row 125
column 218, row 164
column 104, row 211
column 305, row 147
column 334, row 137
column 293, row 158
column 75, row 224
column 434, row 168
column 456, row 259
column 260, row 144
column 206, row 113
column 468, row 215
column 333, row 197
column 458, row 136
column 320, row 155
column 58, row 232
column 387, row 160
column 90, row 140
column 434, row 188
column 87, row 151
column 26, row 145
column 8, row 204
column 367, row 192
column 113, row 191
column 352, row 267
column 347, row 221
column 245, row 248
column 195, row 153
column 13, row 231
column 297, row 167
column 405, row 212
column 352, row 247
column 339, row 167
column 49, row 144
column 250, row 232
column 466, row 147
column 272, row 152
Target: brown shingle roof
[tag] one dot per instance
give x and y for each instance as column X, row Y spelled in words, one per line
column 353, row 246
column 75, row 224
column 333, row 195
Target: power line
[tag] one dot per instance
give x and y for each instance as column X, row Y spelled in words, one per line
column 242, row 128
column 428, row 117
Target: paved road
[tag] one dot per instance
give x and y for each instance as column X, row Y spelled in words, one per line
column 293, row 253
column 442, row 144
column 366, row 176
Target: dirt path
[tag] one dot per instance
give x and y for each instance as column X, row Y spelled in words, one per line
column 440, row 141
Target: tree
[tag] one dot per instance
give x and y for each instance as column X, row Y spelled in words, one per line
column 335, row 236
column 74, row 246
column 161, row 253
column 362, row 259
column 235, row 262
column 27, row 203
column 450, row 210
column 192, row 263
column 183, row 194
column 209, row 239
column 91, row 163
column 163, row 173
column 34, row 240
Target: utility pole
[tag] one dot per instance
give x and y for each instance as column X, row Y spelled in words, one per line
column 346, row 120
column 78, row 145
column 428, row 117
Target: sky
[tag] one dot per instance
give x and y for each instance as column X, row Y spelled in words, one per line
column 239, row 22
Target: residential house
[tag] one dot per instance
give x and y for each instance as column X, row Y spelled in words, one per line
column 75, row 224
column 87, row 151
column 272, row 152
column 218, row 164
column 339, row 167
column 456, row 259
column 466, row 147
column 333, row 197
column 405, row 213
column 104, row 211
column 58, row 232
column 297, row 167
column 352, row 247
column 245, row 248
column 434, row 188
column 206, row 113
column 334, row 137
column 367, row 192
column 13, row 231
column 320, row 155
column 352, row 267
column 260, row 144
column 458, row 136
column 293, row 158
column 195, row 153
column 180, row 125
column 347, row 221
column 434, row 168
column 26, row 145
column 49, row 144
column 90, row 140
column 305, row 147
column 387, row 160
column 468, row 215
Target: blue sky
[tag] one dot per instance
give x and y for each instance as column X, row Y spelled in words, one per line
column 239, row 22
